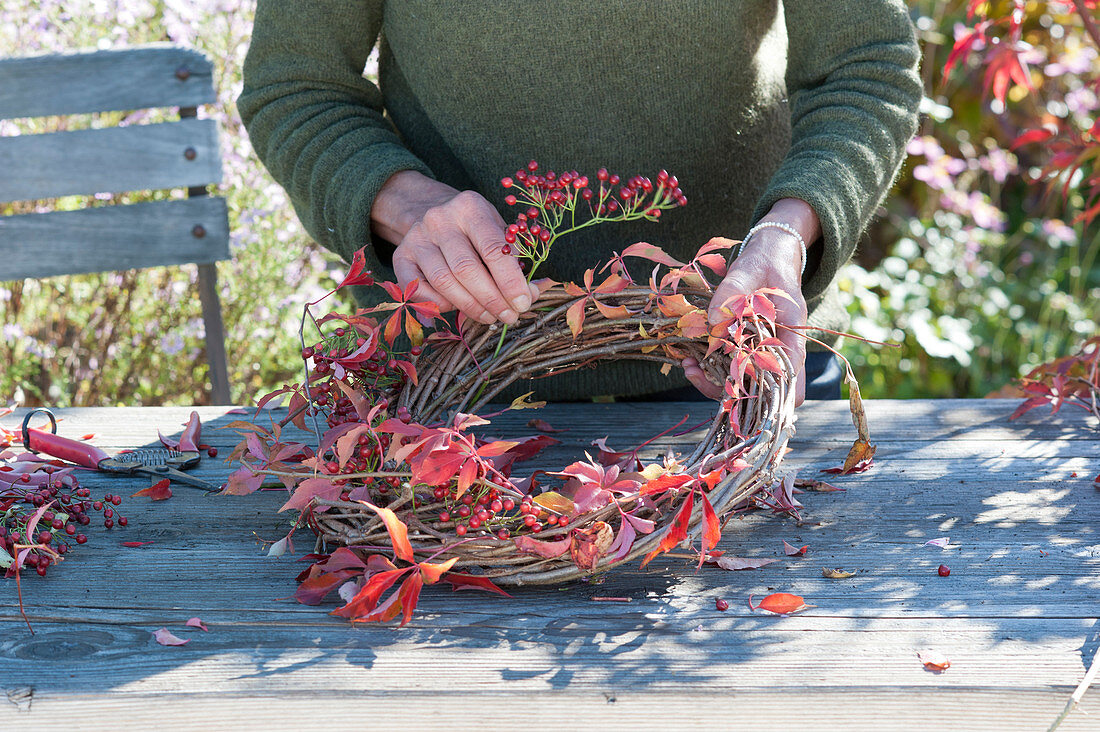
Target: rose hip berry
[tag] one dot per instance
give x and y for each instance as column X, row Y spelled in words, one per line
column 721, row 605
column 944, row 570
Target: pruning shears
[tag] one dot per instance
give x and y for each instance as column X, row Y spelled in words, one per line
column 154, row 462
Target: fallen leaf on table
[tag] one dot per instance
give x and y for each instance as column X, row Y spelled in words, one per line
column 521, row 402
column 934, row 661
column 188, row 441
column 940, row 542
column 237, row 410
column 781, row 603
column 817, row 486
column 165, row 638
column 159, row 491
column 280, row 547
column 836, row 573
column 196, row 623
column 88, row 436
column 134, row 544
column 543, row 426
column 735, row 563
column 793, row 551
column 860, row 467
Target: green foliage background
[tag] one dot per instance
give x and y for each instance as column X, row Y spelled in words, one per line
column 976, row 277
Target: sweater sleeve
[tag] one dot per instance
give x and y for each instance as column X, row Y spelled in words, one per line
column 854, row 93
column 315, row 121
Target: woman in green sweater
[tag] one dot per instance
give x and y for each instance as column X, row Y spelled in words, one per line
column 786, row 121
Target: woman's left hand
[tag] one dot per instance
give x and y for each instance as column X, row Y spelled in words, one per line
column 772, row 258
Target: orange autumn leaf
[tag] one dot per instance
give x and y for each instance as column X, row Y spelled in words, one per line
column 934, row 661
column 399, row 533
column 781, row 603
column 432, row 572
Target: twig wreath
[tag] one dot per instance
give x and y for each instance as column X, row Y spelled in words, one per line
column 399, row 470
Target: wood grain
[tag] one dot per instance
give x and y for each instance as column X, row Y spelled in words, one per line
column 1018, row 616
column 114, row 160
column 109, row 238
column 104, row 81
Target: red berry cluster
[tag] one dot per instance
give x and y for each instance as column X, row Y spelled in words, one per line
column 552, row 200
column 375, row 375
column 484, row 510
column 56, row 527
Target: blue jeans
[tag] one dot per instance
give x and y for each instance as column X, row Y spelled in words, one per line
column 823, row 378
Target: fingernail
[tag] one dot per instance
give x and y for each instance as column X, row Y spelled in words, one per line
column 522, row 303
column 509, row 317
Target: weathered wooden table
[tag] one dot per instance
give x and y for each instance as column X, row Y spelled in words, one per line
column 1018, row 616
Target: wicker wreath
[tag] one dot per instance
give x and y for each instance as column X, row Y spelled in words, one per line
column 463, row 377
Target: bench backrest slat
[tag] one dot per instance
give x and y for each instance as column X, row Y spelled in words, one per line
column 109, row 238
column 104, row 81
column 111, row 160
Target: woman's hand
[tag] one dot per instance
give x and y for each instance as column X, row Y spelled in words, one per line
column 772, row 258
column 451, row 242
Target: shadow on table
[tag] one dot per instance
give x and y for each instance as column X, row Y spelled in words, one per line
column 1022, row 545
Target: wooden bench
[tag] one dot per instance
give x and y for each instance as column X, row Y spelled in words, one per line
column 182, row 154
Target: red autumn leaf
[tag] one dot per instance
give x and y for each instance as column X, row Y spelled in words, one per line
column 314, row 589
column 432, row 572
column 712, row 530
column 189, row 440
column 88, row 436
column 652, row 253
column 472, row 582
column 587, row 545
column 543, row 426
column 399, row 533
column 310, row 488
column 135, row 544
column 677, row 531
column 794, row 551
column 665, row 482
column 159, row 491
column 366, row 600
column 780, row 603
column 32, row 522
column 409, row 595
column 356, row 275
column 165, row 638
column 547, row 549
column 1032, row 136
column 197, row 623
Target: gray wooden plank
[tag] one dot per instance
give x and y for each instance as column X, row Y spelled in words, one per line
column 102, row 81
column 634, row 651
column 109, row 238
column 112, row 159
column 779, row 710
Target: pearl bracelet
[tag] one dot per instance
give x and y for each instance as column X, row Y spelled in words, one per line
column 782, row 227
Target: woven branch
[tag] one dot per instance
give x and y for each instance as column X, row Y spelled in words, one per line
column 463, row 376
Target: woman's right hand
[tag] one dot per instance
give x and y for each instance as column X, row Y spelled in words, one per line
column 451, row 242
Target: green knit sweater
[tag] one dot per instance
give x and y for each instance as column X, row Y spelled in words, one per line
column 746, row 101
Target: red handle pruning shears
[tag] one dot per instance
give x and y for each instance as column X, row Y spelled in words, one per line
column 156, row 462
